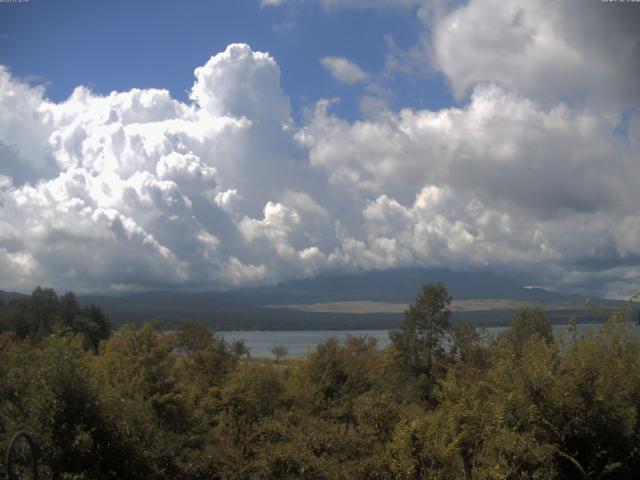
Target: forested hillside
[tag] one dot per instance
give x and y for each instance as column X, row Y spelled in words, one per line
column 138, row 403
column 245, row 308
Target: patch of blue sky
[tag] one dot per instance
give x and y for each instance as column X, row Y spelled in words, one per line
column 119, row 45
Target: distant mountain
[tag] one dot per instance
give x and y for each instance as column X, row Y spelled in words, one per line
column 6, row 297
column 174, row 308
column 400, row 285
column 246, row 308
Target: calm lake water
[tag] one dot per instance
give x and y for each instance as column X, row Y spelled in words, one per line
column 300, row 343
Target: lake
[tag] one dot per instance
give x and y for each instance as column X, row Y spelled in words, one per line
column 300, row 342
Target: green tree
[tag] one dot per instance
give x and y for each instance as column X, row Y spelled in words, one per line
column 3, row 316
column 69, row 308
column 49, row 391
column 93, row 325
column 43, row 313
column 35, row 316
column 420, row 337
column 44, row 308
column 240, row 349
column 210, row 359
column 193, row 336
column 279, row 351
column 252, row 393
column 527, row 324
column 467, row 345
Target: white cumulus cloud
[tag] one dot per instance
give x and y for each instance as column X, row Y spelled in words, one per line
column 582, row 51
column 138, row 190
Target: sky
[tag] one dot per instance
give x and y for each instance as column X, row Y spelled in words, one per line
column 155, row 145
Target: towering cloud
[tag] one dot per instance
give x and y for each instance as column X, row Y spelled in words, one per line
column 138, row 190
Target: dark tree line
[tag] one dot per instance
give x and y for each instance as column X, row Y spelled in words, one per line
column 44, row 312
column 441, row 402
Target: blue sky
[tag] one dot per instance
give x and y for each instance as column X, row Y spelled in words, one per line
column 118, row 45
column 471, row 135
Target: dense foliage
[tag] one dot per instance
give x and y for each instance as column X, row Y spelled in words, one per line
column 441, row 402
column 42, row 313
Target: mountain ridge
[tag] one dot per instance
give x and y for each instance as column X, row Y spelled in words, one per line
column 269, row 307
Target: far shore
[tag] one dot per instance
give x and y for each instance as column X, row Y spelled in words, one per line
column 472, row 305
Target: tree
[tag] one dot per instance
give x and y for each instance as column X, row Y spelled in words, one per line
column 279, row 352
column 93, row 325
column 527, row 324
column 420, row 336
column 44, row 313
column 68, row 308
column 193, row 336
column 339, row 374
column 240, row 349
column 252, row 393
column 3, row 316
column 101, row 322
column 210, row 360
column 44, row 308
column 467, row 345
column 34, row 316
